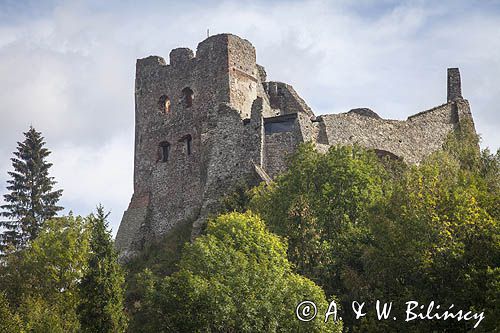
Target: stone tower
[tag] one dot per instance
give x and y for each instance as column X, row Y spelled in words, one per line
column 204, row 122
column 454, row 84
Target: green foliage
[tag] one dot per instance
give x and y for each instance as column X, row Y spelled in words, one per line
column 236, row 278
column 31, row 199
column 51, row 266
column 67, row 279
column 40, row 316
column 9, row 322
column 436, row 241
column 321, row 205
column 101, row 288
column 239, row 198
column 162, row 256
column 159, row 258
column 488, row 182
column 463, row 145
column 42, row 279
column 361, row 228
column 366, row 229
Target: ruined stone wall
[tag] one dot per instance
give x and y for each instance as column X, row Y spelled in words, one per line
column 283, row 99
column 281, row 138
column 291, row 123
column 454, row 85
column 232, row 146
column 166, row 192
column 243, row 75
column 221, row 121
column 411, row 139
column 223, row 81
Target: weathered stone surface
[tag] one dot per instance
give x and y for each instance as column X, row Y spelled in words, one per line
column 206, row 121
column 365, row 112
column 454, row 85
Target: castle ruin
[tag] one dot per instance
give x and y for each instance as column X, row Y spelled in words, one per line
column 204, row 122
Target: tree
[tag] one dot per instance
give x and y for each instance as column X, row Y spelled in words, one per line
column 435, row 240
column 31, row 200
column 41, row 280
column 9, row 322
column 236, row 278
column 321, row 205
column 395, row 233
column 40, row 316
column 101, row 289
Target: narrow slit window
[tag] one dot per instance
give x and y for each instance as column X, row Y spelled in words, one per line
column 164, row 104
column 187, row 140
column 164, row 151
column 187, row 97
column 188, row 144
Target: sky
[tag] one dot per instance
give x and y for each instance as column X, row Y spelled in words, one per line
column 67, row 68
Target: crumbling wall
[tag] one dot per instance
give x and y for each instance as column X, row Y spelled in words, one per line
column 231, row 148
column 281, row 138
column 206, row 121
column 169, row 191
column 243, row 75
column 291, row 123
column 283, row 99
column 178, row 106
column 454, row 85
column 411, row 139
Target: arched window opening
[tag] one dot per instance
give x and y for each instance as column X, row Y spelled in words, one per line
column 382, row 154
column 187, row 97
column 188, row 143
column 164, row 151
column 164, row 104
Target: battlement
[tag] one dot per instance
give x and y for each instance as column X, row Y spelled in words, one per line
column 222, row 48
column 208, row 120
column 223, row 70
column 180, row 56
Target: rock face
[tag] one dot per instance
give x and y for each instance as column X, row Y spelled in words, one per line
column 204, row 122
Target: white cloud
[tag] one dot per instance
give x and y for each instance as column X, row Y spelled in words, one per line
column 90, row 176
column 70, row 70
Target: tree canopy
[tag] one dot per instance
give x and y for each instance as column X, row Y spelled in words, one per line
column 31, row 199
column 368, row 229
column 101, row 288
column 234, row 278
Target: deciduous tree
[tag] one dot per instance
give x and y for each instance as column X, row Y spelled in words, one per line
column 236, row 278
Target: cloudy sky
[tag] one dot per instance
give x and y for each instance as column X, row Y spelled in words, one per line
column 67, row 68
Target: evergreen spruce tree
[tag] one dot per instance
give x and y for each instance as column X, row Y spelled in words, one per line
column 31, row 199
column 101, row 290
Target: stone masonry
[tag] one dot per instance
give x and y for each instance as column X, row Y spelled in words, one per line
column 205, row 122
